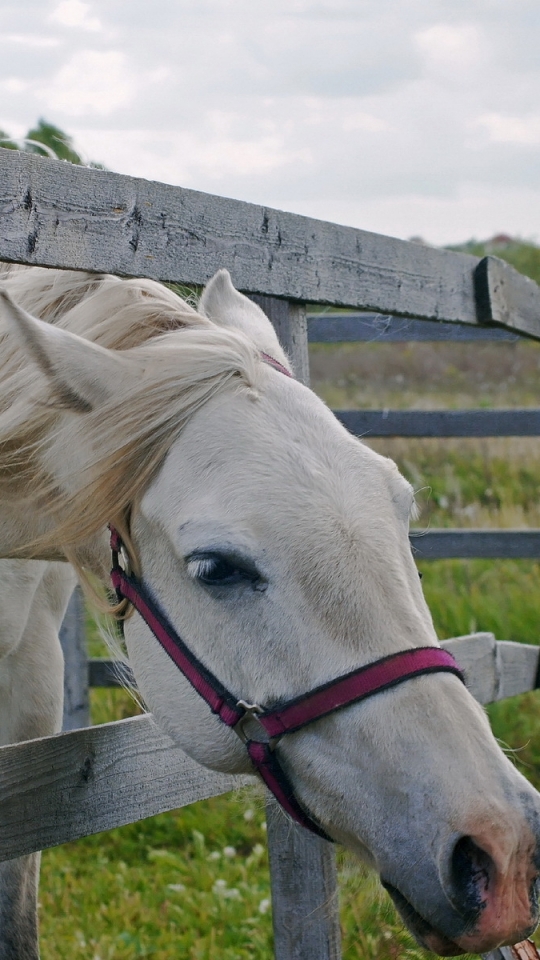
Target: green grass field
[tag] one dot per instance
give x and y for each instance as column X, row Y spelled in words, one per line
column 194, row 884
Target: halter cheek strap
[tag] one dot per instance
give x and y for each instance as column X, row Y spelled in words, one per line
column 249, row 720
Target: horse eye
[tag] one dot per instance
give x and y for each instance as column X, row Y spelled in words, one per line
column 218, row 570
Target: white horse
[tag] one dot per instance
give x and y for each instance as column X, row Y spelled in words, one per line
column 277, row 544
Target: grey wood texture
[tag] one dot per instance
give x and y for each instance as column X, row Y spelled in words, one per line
column 305, row 908
column 304, row 891
column 378, row 328
column 69, row 786
column 441, row 423
column 73, row 642
column 74, row 784
column 495, row 669
column 68, row 216
column 490, row 544
column 506, row 297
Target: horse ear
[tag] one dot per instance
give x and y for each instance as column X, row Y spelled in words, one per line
column 223, row 304
column 81, row 374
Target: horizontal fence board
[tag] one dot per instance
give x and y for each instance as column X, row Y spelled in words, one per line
column 57, row 214
column 60, row 215
column 506, row 297
column 378, row 328
column 103, row 672
column 495, row 670
column 441, row 423
column 65, row 787
column 69, row 786
column 444, row 544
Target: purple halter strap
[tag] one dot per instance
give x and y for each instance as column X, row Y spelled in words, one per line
column 293, row 715
column 274, row 722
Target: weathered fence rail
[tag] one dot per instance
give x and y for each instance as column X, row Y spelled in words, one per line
column 65, row 787
column 59, row 215
column 441, row 423
column 377, row 328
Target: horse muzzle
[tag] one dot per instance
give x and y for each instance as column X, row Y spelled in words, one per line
column 487, row 897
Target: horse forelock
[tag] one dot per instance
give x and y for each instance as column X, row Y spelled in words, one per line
column 174, row 374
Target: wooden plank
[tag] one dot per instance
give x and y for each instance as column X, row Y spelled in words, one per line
column 495, row 669
column 506, row 297
column 305, row 908
column 73, row 642
column 304, row 891
column 444, row 544
column 441, row 423
column 103, row 672
column 56, row 214
column 380, row 328
column 518, row 668
column 476, row 654
column 517, row 664
column 65, row 787
column 69, row 786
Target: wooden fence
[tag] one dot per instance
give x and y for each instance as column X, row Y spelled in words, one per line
column 54, row 214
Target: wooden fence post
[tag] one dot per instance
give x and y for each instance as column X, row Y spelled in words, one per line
column 302, row 866
column 76, row 680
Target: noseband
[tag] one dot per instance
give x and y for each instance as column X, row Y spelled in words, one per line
column 261, row 728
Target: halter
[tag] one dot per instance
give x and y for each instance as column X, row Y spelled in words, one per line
column 261, row 728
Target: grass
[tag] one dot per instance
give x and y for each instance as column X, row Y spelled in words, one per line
column 194, row 883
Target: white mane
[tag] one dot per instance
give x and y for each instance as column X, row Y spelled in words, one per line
column 182, row 359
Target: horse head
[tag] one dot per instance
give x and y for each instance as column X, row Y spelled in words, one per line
column 278, row 545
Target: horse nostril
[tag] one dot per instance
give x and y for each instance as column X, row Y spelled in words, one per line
column 471, row 871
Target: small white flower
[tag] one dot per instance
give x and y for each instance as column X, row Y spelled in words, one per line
column 249, row 814
column 229, row 852
column 263, row 826
column 215, row 855
column 221, row 889
column 264, row 906
column 258, row 850
column 177, row 887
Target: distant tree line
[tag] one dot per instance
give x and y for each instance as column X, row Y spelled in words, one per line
column 524, row 255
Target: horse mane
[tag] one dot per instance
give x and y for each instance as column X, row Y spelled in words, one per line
column 182, row 359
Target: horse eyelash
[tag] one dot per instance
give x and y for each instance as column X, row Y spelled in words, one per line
column 200, row 567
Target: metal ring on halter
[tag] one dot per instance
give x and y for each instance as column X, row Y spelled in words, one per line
column 251, row 714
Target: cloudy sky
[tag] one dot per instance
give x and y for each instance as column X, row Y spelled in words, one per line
column 406, row 117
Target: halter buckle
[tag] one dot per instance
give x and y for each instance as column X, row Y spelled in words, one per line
column 250, row 717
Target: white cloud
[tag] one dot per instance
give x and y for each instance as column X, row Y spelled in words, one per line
column 31, row 40
column 75, row 13
column 14, row 85
column 518, row 130
column 451, row 50
column 91, row 82
column 183, row 158
column 364, row 121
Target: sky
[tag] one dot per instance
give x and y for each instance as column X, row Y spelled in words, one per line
column 404, row 117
